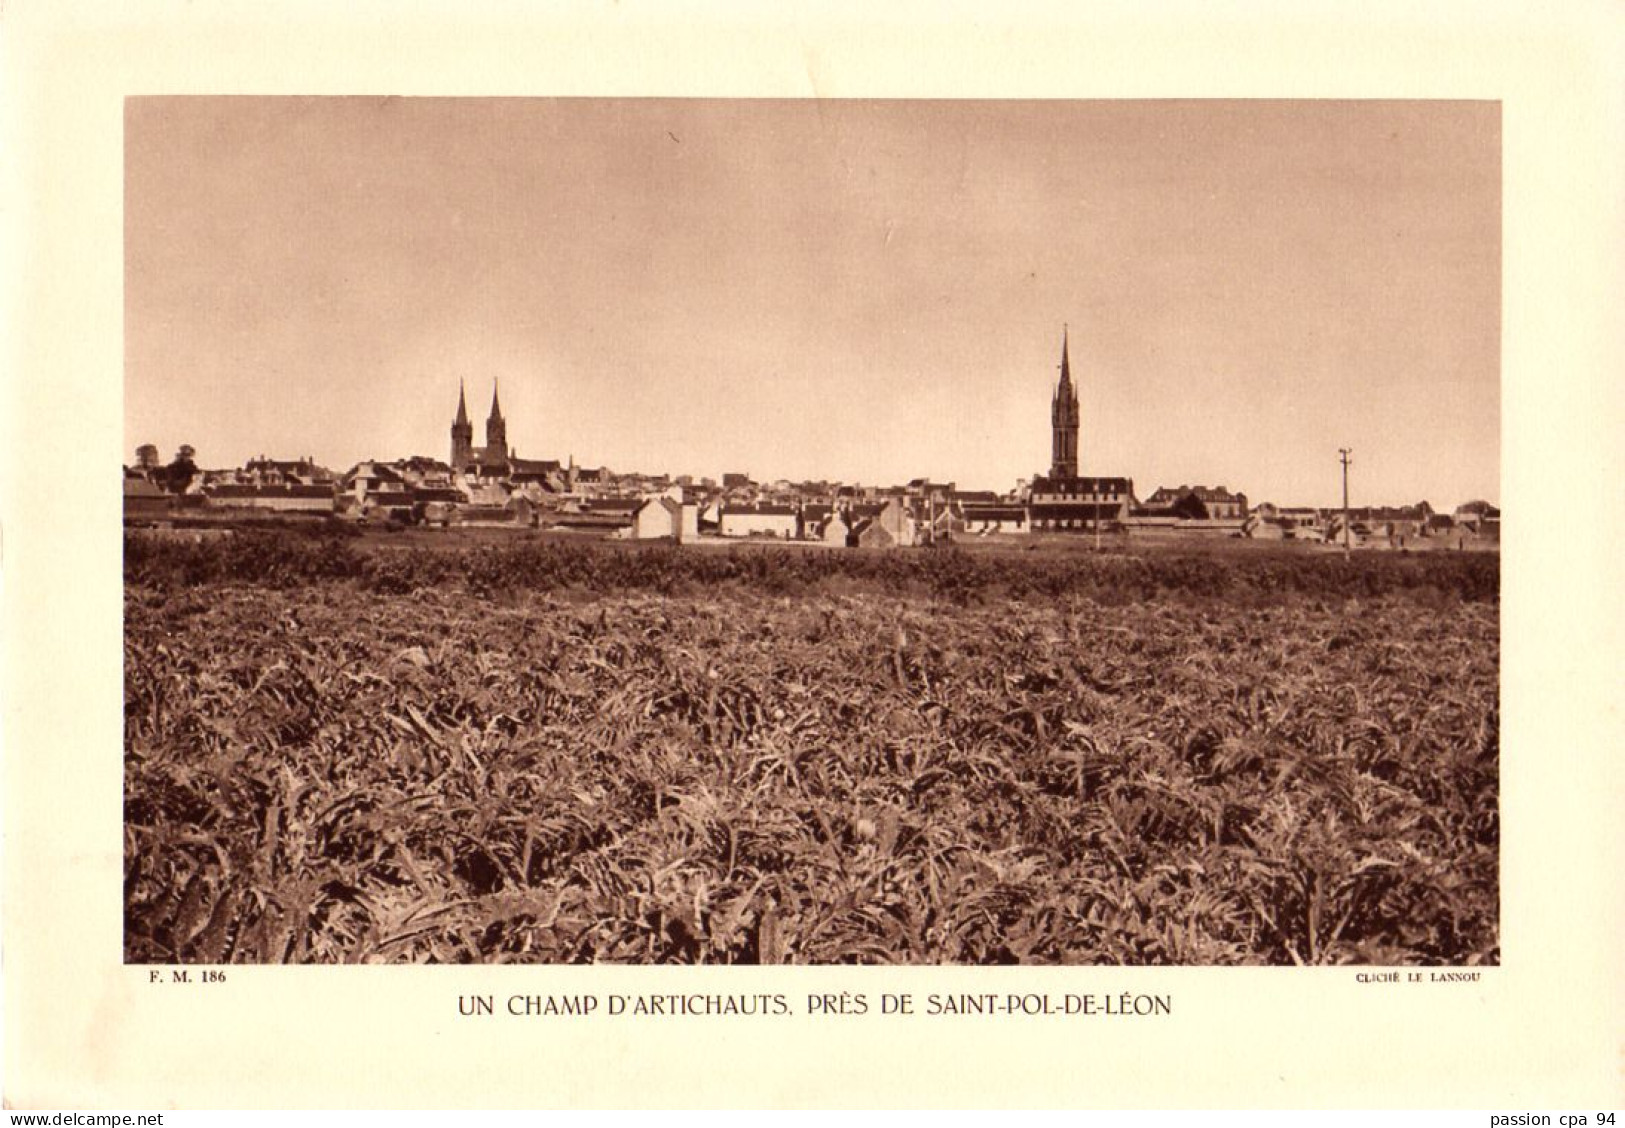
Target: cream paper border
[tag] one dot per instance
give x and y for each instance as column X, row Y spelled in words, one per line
column 84, row 1031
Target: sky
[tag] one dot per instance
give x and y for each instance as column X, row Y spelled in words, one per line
column 866, row 291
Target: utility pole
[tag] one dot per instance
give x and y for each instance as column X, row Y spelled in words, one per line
column 1343, row 453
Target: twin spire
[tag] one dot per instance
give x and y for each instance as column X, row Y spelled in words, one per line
column 463, row 452
column 462, row 404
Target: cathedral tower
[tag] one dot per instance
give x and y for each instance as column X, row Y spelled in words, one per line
column 496, row 432
column 1063, row 417
column 462, row 435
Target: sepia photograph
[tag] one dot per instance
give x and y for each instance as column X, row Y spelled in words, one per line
column 673, row 557
column 760, row 531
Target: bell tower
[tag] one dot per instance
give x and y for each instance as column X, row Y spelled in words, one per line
column 462, row 435
column 496, row 432
column 1063, row 415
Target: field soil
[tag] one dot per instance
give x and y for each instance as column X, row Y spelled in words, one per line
column 927, row 771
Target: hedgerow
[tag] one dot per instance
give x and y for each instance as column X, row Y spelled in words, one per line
column 284, row 559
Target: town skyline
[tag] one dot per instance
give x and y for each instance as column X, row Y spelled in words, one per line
column 863, row 292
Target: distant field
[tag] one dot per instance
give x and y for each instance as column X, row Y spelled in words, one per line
column 546, row 752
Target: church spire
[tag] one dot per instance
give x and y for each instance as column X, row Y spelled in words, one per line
column 496, row 431
column 462, row 434
column 1064, row 420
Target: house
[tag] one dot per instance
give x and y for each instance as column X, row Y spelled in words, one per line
column 485, row 485
column 1258, row 526
column 540, row 475
column 982, row 518
column 1179, row 504
column 366, row 480
column 822, row 523
column 1076, row 504
column 643, row 485
column 698, row 495
column 758, row 521
column 868, row 532
column 1302, row 523
column 886, row 523
column 420, row 470
column 376, row 491
column 1392, row 525
column 657, row 518
column 1284, row 523
column 1197, row 503
column 1479, row 517
column 834, row 530
column 264, row 471
column 587, row 482
column 422, row 466
column 144, row 500
column 926, row 490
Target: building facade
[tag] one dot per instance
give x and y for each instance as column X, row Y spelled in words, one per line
column 1073, row 504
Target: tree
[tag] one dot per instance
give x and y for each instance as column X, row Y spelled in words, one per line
column 179, row 473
